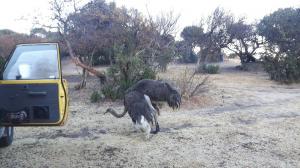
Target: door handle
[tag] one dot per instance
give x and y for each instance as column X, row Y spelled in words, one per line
column 37, row 93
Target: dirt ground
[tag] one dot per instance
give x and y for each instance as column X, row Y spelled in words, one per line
column 246, row 120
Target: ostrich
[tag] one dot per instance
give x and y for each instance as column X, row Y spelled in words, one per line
column 158, row 91
column 139, row 101
column 141, row 112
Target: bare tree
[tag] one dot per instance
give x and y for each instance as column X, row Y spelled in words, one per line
column 167, row 22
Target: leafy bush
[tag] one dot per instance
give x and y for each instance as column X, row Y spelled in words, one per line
column 165, row 58
column 148, row 73
column 95, row 97
column 110, row 91
column 185, row 52
column 212, row 69
column 188, row 58
column 208, row 68
column 127, row 71
column 282, row 47
column 282, row 69
column 251, row 66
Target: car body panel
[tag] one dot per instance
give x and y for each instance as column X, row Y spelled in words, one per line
column 31, row 100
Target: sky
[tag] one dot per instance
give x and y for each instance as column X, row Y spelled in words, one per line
column 18, row 15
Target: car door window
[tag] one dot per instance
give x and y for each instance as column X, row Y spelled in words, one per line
column 32, row 63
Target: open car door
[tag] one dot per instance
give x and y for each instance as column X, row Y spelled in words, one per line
column 32, row 91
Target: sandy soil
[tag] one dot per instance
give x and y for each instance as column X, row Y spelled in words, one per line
column 246, row 121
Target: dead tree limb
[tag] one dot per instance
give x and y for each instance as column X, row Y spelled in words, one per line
column 76, row 61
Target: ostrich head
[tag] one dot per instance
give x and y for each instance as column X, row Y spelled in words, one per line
column 173, row 97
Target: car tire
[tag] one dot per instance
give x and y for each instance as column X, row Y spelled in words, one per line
column 7, row 137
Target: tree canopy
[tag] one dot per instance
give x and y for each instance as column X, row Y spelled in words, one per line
column 281, row 31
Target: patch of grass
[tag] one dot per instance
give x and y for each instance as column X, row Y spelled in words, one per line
column 208, row 68
column 110, row 91
column 96, row 97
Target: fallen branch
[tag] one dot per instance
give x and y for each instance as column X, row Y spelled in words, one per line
column 76, row 61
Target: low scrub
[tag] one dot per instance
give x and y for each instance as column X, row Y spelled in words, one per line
column 127, row 71
column 208, row 68
column 96, row 97
column 283, row 69
column 251, row 67
column 191, row 84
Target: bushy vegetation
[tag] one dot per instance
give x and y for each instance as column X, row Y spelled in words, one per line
column 281, row 57
column 192, row 36
column 252, row 67
column 211, row 69
column 282, row 68
column 185, row 53
column 96, row 97
column 190, row 57
column 127, row 70
column 208, row 68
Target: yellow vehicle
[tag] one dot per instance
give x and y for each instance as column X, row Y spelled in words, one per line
column 32, row 90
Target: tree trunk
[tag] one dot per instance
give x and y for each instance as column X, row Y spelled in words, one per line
column 246, row 58
column 82, row 83
column 85, row 73
column 250, row 58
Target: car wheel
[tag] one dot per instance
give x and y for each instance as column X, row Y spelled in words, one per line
column 7, row 137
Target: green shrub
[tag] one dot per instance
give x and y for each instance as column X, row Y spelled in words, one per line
column 95, row 97
column 251, row 67
column 212, row 69
column 148, row 73
column 283, row 69
column 110, row 91
column 208, row 68
column 281, row 56
column 127, row 70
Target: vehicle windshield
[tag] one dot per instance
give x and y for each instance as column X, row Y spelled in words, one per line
column 37, row 61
